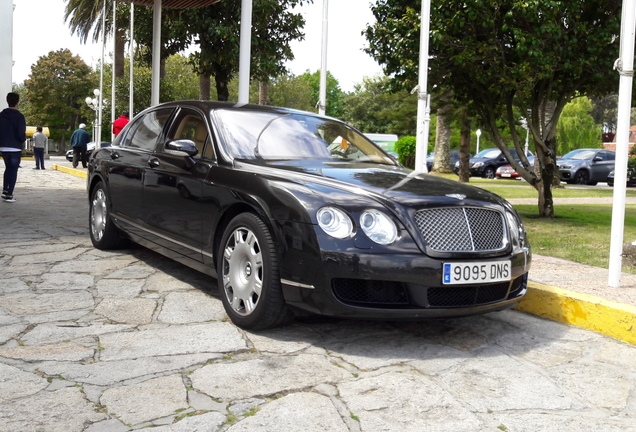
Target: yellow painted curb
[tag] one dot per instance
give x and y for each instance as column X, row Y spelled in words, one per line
column 72, row 171
column 610, row 318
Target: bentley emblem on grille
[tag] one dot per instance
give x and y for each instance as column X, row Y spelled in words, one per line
column 456, row 196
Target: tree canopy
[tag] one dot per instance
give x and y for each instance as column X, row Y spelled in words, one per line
column 56, row 89
column 505, row 58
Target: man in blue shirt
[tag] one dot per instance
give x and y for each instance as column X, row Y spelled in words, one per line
column 79, row 141
column 12, row 138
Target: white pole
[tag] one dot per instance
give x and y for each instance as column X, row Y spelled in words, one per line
column 625, row 67
column 478, row 133
column 112, row 84
column 322, row 102
column 423, row 101
column 156, row 53
column 130, row 61
column 245, row 41
column 6, row 50
column 100, row 97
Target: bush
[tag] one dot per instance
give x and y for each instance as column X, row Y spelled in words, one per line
column 405, row 148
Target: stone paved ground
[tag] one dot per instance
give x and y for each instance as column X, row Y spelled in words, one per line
column 117, row 341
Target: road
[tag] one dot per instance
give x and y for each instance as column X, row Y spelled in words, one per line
column 97, row 341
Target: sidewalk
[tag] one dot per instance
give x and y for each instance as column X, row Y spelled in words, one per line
column 560, row 290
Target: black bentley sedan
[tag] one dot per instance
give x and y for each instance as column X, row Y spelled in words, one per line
column 294, row 212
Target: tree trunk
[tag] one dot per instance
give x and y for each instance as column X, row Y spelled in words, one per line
column 548, row 174
column 204, row 87
column 464, row 147
column 120, row 45
column 263, row 88
column 223, row 93
column 441, row 160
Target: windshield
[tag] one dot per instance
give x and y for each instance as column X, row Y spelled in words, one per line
column 580, row 154
column 488, row 153
column 292, row 136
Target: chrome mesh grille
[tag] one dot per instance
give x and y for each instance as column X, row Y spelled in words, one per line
column 462, row 229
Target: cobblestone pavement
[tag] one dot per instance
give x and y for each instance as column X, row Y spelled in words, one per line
column 117, row 341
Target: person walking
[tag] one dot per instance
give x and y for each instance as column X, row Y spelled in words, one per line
column 12, row 138
column 79, row 141
column 119, row 124
column 40, row 142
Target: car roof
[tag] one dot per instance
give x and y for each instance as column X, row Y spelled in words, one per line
column 232, row 106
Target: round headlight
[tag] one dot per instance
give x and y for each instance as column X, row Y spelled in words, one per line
column 478, row 164
column 335, row 222
column 378, row 227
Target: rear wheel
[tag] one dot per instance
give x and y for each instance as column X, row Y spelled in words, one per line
column 104, row 234
column 249, row 281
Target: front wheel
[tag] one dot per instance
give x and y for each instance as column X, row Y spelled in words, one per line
column 581, row 177
column 489, row 173
column 249, row 281
column 104, row 234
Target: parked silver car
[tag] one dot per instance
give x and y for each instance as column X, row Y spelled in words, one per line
column 586, row 166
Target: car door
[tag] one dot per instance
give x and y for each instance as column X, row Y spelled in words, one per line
column 601, row 168
column 128, row 161
column 173, row 187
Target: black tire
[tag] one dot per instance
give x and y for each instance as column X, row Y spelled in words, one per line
column 104, row 234
column 248, row 275
column 581, row 177
column 489, row 173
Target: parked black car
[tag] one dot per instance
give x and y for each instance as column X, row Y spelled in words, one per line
column 631, row 177
column 454, row 158
column 90, row 148
column 292, row 211
column 485, row 163
column 586, row 166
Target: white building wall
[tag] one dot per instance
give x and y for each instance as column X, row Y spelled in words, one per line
column 6, row 50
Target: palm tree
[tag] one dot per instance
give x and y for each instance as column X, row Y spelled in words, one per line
column 84, row 16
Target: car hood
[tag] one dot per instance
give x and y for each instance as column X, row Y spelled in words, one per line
column 383, row 182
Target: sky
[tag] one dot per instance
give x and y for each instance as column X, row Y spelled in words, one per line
column 39, row 28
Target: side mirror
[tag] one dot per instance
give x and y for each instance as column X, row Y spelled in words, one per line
column 182, row 147
column 598, row 159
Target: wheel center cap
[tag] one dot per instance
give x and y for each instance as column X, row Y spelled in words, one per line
column 248, row 270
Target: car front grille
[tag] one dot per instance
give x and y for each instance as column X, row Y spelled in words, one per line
column 462, row 229
column 370, row 292
column 467, row 295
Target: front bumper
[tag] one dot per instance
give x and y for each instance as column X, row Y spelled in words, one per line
column 392, row 286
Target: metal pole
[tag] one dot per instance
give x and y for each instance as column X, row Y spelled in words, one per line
column 100, row 97
column 423, row 101
column 112, row 84
column 131, row 61
column 478, row 133
column 322, row 102
column 156, row 53
column 245, row 41
column 625, row 67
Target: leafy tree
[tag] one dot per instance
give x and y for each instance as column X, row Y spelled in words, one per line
column 56, row 89
column 216, row 29
column 335, row 95
column 289, row 91
column 504, row 57
column 373, row 108
column 576, row 127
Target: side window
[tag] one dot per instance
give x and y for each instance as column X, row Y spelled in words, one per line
column 610, row 156
column 190, row 125
column 147, row 129
column 602, row 155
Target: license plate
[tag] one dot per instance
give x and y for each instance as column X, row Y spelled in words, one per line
column 505, row 175
column 476, row 272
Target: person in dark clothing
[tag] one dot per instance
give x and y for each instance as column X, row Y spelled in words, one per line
column 119, row 124
column 79, row 141
column 12, row 138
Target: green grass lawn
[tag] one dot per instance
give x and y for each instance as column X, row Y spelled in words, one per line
column 579, row 233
